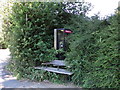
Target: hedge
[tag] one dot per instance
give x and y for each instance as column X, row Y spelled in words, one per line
column 93, row 46
column 94, row 56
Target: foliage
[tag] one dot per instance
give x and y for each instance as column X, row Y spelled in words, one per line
column 93, row 46
column 93, row 55
column 2, row 44
column 77, row 8
column 106, row 66
column 29, row 34
column 82, row 46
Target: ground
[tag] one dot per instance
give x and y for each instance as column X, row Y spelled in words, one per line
column 8, row 81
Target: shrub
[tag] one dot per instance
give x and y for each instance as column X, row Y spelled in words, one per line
column 2, row 44
column 30, row 29
column 93, row 55
column 105, row 71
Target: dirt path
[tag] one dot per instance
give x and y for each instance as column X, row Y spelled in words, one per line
column 8, row 81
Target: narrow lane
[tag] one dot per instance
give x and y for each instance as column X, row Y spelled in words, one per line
column 4, row 57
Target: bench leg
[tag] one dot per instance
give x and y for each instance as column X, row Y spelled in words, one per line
column 58, row 68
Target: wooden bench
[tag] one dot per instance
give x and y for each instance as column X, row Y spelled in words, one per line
column 57, row 63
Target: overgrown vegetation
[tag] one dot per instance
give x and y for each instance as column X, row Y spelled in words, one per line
column 2, row 43
column 31, row 28
column 93, row 55
column 93, row 50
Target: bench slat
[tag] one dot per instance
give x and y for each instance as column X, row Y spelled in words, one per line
column 56, row 63
column 56, row 70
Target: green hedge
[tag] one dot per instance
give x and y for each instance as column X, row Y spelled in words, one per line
column 93, row 51
column 31, row 27
column 94, row 56
column 29, row 34
column 3, row 44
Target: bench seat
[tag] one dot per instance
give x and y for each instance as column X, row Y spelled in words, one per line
column 56, row 70
column 56, row 63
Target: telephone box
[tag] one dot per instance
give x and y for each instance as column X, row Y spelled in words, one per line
column 60, row 41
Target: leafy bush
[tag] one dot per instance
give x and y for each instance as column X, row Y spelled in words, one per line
column 31, row 35
column 106, row 66
column 93, row 50
column 82, row 47
column 30, row 30
column 93, row 55
column 2, row 44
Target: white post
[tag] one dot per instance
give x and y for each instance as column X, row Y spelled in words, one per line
column 55, row 39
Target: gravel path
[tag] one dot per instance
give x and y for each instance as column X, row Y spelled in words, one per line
column 8, row 81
